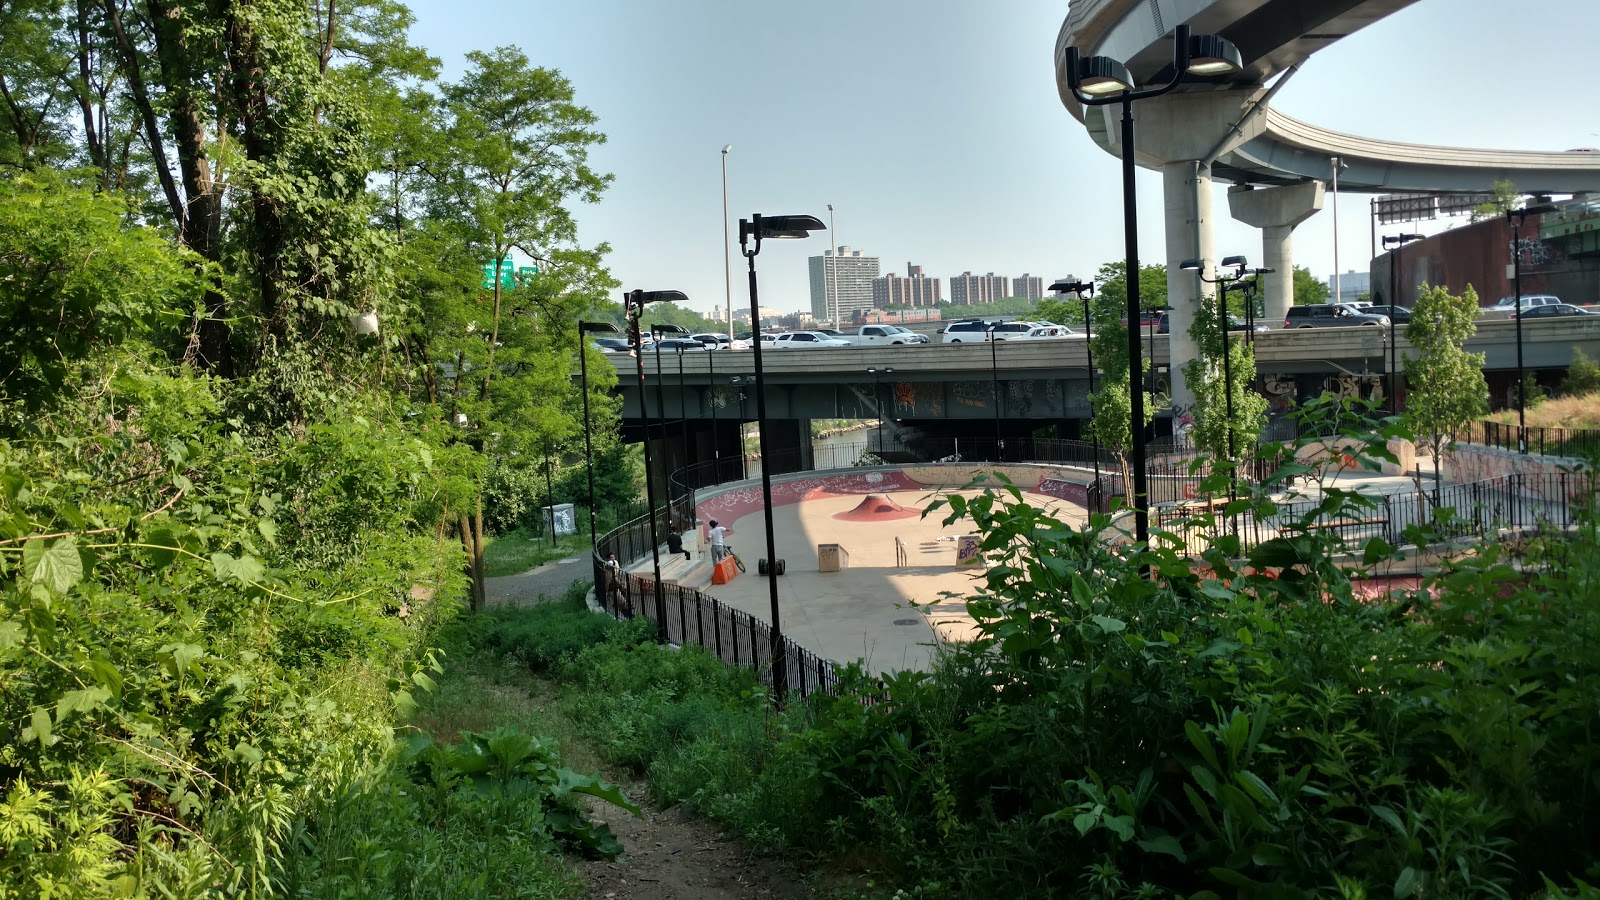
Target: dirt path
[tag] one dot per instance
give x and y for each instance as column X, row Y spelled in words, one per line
column 672, row 855
column 548, row 581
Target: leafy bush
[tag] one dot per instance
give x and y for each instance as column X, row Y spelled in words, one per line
column 1583, row 376
column 541, row 636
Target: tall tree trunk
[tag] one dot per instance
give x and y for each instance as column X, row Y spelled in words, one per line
column 247, row 83
column 477, row 556
column 94, row 137
column 465, row 528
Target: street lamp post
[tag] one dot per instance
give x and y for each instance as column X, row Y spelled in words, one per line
column 727, row 243
column 755, row 229
column 994, row 386
column 588, row 444
column 1224, row 283
column 877, row 398
column 633, row 304
column 1515, row 218
column 1101, row 81
column 1085, row 290
column 1396, row 241
column 550, row 493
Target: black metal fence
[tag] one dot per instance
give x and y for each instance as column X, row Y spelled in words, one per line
column 685, row 616
column 1517, row 502
column 1569, row 442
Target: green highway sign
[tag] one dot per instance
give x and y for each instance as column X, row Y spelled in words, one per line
column 509, row 273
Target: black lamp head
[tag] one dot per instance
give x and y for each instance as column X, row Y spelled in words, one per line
column 1072, row 285
column 1237, row 262
column 1210, row 54
column 642, row 299
column 764, row 228
column 597, row 328
column 1096, row 76
column 1193, row 265
column 668, row 329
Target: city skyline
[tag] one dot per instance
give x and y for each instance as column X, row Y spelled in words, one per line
column 1039, row 196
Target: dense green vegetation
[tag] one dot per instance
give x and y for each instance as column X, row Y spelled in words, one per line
column 1218, row 731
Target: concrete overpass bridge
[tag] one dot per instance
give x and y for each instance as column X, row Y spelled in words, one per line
column 1226, row 129
column 1015, row 387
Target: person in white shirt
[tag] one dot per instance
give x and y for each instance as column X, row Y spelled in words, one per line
column 719, row 550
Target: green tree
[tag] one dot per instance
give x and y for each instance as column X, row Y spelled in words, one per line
column 1213, row 428
column 1111, row 422
column 1308, row 289
column 1502, row 199
column 1113, row 285
column 1583, row 376
column 1444, row 383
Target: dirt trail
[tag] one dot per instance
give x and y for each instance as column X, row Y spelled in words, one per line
column 672, row 855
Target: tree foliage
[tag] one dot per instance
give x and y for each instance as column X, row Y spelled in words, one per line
column 1308, row 289
column 1445, row 389
column 1217, row 389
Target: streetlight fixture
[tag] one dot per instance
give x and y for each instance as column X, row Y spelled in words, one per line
column 588, row 445
column 656, row 332
column 1101, row 81
column 1514, row 218
column 877, row 397
column 755, row 229
column 633, row 304
column 1085, row 290
column 1396, row 241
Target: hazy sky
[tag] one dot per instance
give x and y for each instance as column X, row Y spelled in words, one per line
column 935, row 130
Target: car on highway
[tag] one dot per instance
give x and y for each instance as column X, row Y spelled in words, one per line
column 1554, row 311
column 611, row 345
column 673, row 345
column 1400, row 315
column 1509, row 304
column 1235, row 324
column 712, row 340
column 805, row 340
column 1329, row 315
column 869, row 335
column 1047, row 332
column 971, row 330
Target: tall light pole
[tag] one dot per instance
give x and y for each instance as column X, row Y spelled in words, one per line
column 830, row 286
column 877, row 397
column 1396, row 241
column 1337, row 163
column 751, row 232
column 727, row 243
column 1085, row 290
column 1514, row 217
column 1101, row 81
column 1224, row 283
column 633, row 304
column 994, row 385
column 588, row 445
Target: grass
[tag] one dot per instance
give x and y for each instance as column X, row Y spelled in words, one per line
column 1558, row 412
column 518, row 551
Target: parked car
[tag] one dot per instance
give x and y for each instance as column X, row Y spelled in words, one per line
column 611, row 345
column 868, row 335
column 1401, row 315
column 1553, row 311
column 712, row 340
column 1330, row 315
column 791, row 340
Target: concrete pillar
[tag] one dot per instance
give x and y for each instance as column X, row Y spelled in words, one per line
column 1187, row 190
column 1276, row 211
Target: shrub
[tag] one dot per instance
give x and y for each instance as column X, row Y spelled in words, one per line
column 1583, row 376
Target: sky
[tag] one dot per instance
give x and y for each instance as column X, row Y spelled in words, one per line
column 934, row 128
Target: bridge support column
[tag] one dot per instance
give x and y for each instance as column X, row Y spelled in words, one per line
column 1187, row 189
column 1276, row 211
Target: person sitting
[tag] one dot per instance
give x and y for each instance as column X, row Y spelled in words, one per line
column 675, row 545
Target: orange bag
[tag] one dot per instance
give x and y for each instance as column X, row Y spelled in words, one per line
column 724, row 571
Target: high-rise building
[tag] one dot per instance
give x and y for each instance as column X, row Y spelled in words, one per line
column 1352, row 285
column 967, row 288
column 841, row 280
column 1029, row 286
column 913, row 289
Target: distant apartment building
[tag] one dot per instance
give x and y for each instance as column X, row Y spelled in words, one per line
column 841, row 280
column 967, row 289
column 1029, row 286
column 913, row 289
column 1352, row 285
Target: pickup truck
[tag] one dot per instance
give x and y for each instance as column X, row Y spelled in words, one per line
column 883, row 334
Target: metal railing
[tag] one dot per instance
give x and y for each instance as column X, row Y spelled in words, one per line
column 1518, row 502
column 1568, row 442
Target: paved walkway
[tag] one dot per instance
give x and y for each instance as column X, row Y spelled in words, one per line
column 547, row 582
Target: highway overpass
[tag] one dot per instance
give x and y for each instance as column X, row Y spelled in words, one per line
column 952, row 389
column 1279, row 166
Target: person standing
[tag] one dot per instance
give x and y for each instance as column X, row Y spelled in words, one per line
column 719, row 549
